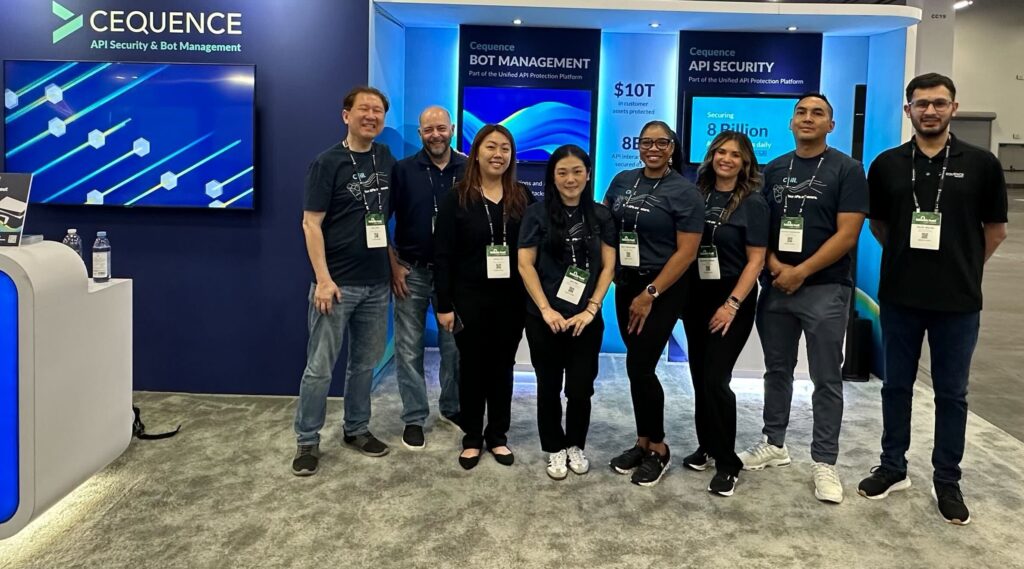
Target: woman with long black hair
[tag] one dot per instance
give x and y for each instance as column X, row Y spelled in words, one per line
column 567, row 261
column 660, row 218
column 480, row 294
column 719, row 313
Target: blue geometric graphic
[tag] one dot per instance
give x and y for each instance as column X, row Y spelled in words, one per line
column 8, row 398
column 120, row 126
column 540, row 120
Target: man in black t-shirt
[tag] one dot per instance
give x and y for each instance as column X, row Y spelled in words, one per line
column 938, row 208
column 817, row 199
column 345, row 209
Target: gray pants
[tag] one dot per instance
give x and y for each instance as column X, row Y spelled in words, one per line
column 820, row 312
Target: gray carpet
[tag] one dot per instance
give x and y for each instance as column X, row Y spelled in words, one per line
column 220, row 495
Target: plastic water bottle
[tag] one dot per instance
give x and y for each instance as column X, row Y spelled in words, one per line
column 74, row 241
column 101, row 258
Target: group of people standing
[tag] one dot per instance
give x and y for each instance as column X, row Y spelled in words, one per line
column 494, row 262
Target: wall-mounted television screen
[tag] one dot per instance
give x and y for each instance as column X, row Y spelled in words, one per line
column 541, row 120
column 132, row 134
column 765, row 119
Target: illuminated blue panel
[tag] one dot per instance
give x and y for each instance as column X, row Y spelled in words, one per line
column 8, row 398
column 764, row 119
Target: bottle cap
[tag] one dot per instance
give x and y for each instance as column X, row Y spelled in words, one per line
column 101, row 234
column 72, row 231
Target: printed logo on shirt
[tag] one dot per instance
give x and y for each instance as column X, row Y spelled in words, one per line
column 801, row 190
column 642, row 202
column 958, row 175
column 361, row 183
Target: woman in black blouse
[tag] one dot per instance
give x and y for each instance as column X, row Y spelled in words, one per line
column 480, row 294
column 660, row 217
column 719, row 313
column 567, row 260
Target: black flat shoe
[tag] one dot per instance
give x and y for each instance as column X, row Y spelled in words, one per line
column 503, row 459
column 469, row 462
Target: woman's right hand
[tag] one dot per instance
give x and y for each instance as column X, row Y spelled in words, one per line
column 446, row 320
column 553, row 319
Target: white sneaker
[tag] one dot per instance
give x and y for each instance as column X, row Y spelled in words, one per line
column 578, row 461
column 557, row 468
column 827, row 486
column 763, row 454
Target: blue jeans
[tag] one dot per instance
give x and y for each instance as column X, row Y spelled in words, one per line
column 952, row 337
column 363, row 313
column 410, row 321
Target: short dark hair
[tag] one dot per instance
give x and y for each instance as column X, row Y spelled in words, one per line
column 929, row 80
column 815, row 95
column 350, row 99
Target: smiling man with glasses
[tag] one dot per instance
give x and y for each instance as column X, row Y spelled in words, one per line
column 938, row 208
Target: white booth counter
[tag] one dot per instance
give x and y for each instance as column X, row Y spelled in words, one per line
column 65, row 377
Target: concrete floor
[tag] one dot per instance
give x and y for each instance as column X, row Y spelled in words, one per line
column 995, row 389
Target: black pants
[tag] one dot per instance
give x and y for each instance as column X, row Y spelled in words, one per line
column 712, row 358
column 487, row 354
column 643, row 350
column 556, row 356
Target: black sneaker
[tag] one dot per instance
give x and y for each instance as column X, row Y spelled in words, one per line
column 628, row 460
column 722, row 484
column 306, row 461
column 413, row 438
column 951, row 503
column 881, row 482
column 698, row 461
column 653, row 467
column 367, row 444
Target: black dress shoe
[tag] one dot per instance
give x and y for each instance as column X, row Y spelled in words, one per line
column 468, row 462
column 503, row 459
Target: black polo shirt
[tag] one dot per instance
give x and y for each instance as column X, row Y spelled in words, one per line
column 973, row 194
column 417, row 188
column 345, row 185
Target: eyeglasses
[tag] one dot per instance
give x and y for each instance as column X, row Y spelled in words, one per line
column 922, row 105
column 661, row 143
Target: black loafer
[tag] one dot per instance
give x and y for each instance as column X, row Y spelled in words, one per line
column 469, row 462
column 503, row 459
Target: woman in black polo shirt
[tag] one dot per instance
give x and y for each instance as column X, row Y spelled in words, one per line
column 719, row 312
column 660, row 218
column 480, row 294
column 567, row 260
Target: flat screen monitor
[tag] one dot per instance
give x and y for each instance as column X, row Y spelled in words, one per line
column 132, row 134
column 765, row 119
column 540, row 120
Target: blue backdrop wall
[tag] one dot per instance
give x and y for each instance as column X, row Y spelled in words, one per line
column 220, row 296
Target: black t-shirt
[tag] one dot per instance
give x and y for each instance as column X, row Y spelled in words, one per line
column 747, row 226
column 655, row 209
column 973, row 194
column 417, row 188
column 583, row 241
column 839, row 187
column 460, row 241
column 345, row 192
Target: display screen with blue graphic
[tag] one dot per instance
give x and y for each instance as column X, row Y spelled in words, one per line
column 541, row 120
column 8, row 398
column 132, row 134
column 764, row 119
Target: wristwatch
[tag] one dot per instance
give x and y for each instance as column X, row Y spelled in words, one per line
column 652, row 290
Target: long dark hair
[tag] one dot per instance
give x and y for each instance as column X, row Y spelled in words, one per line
column 558, row 220
column 675, row 160
column 748, row 180
column 468, row 189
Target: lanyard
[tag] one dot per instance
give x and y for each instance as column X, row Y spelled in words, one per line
column 913, row 173
column 721, row 215
column 631, row 193
column 789, row 177
column 571, row 242
column 433, row 191
column 490, row 222
column 376, row 179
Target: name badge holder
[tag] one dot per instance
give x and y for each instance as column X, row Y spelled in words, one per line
column 791, row 228
column 629, row 241
column 707, row 263
column 926, row 226
column 376, row 231
column 575, row 280
column 498, row 258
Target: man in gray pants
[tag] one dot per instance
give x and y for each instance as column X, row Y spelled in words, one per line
column 817, row 197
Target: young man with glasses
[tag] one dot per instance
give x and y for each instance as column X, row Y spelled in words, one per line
column 817, row 198
column 938, row 208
